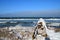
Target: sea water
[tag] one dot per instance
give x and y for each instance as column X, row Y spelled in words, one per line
column 26, row 22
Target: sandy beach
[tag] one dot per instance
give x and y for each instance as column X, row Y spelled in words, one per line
column 12, row 33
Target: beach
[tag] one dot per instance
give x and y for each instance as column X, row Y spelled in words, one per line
column 12, row 33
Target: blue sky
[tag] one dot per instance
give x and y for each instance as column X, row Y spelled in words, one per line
column 30, row 8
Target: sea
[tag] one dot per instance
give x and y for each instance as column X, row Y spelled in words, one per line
column 31, row 22
column 28, row 21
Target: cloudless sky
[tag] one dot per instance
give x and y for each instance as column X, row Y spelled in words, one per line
column 27, row 8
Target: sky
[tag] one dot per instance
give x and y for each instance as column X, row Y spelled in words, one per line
column 29, row 8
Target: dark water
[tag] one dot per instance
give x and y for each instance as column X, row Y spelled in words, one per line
column 26, row 23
